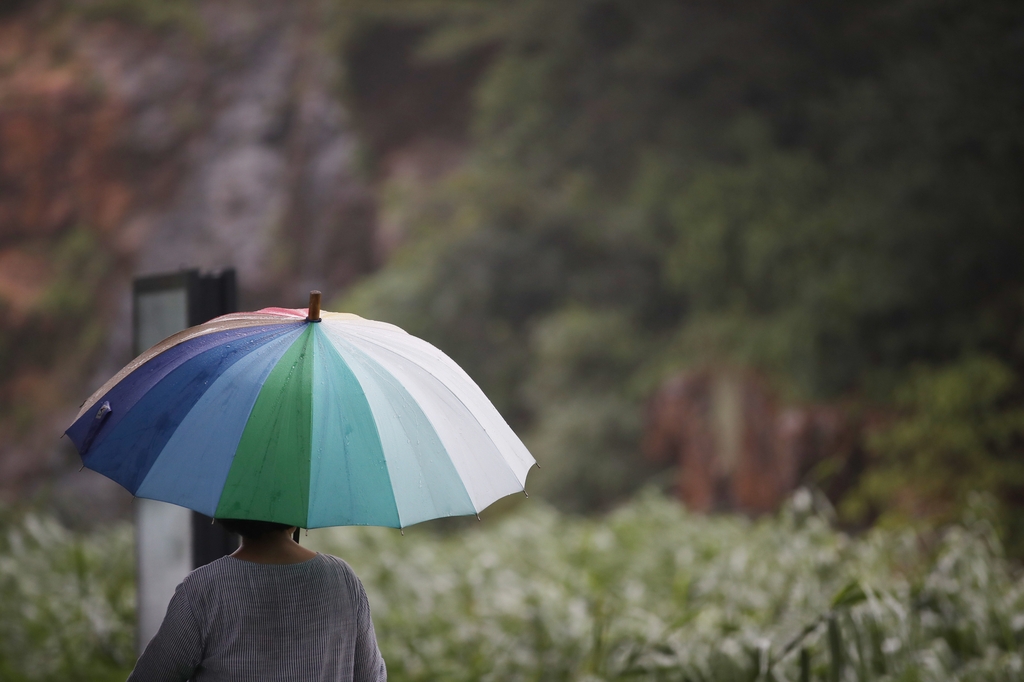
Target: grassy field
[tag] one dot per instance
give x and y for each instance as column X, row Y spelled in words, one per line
column 648, row 592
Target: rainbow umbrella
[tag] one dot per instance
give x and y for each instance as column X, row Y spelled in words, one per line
column 303, row 418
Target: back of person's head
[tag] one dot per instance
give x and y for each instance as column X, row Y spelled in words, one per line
column 252, row 530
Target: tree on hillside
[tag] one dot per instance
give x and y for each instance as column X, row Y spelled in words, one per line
column 831, row 193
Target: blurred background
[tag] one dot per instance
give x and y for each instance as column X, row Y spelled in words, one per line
column 719, row 252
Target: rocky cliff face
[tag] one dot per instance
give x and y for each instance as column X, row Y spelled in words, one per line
column 125, row 150
column 160, row 134
column 736, row 447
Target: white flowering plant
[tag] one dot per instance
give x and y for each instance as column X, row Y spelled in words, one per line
column 652, row 592
column 67, row 602
column 648, row 592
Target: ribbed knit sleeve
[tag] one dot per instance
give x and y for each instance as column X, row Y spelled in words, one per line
column 369, row 664
column 177, row 649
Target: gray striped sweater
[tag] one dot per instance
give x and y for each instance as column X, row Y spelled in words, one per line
column 242, row 621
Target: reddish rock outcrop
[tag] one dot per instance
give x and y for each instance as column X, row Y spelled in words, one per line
column 737, row 448
column 127, row 150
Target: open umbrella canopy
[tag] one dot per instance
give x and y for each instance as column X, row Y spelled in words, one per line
column 274, row 416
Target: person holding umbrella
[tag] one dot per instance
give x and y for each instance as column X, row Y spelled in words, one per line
column 282, row 419
column 272, row 610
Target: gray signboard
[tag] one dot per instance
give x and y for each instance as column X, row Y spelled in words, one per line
column 171, row 540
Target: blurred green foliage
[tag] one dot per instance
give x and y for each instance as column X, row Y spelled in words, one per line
column 962, row 432
column 157, row 15
column 828, row 192
column 653, row 593
column 67, row 602
column 649, row 592
column 62, row 329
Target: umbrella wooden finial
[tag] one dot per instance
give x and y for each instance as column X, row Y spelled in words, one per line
column 314, row 307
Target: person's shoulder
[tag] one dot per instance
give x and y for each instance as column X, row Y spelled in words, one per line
column 210, row 573
column 336, row 563
column 202, row 585
column 341, row 568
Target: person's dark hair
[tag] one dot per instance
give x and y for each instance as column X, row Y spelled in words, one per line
column 251, row 530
